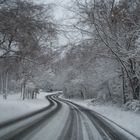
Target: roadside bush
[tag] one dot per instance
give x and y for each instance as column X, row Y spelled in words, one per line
column 133, row 105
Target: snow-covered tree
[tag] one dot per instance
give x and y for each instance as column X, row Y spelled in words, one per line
column 115, row 27
column 26, row 29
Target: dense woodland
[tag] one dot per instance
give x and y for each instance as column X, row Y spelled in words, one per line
column 26, row 30
column 104, row 64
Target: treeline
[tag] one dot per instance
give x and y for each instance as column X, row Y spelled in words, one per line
column 26, row 30
column 115, row 26
column 105, row 64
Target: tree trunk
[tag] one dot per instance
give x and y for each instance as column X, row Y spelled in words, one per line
column 23, row 88
column 109, row 92
column 123, row 86
column 1, row 84
column 6, row 84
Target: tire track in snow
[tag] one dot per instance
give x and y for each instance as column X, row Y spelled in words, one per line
column 88, row 129
column 105, row 128
column 73, row 127
column 67, row 130
column 95, row 125
column 107, row 119
column 26, row 116
column 80, row 129
column 22, row 131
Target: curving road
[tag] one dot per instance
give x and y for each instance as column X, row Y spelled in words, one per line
column 63, row 120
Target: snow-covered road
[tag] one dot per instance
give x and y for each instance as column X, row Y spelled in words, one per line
column 63, row 120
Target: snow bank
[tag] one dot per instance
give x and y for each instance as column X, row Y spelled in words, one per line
column 14, row 106
column 127, row 119
column 133, row 105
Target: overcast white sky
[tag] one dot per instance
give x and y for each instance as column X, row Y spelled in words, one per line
column 59, row 12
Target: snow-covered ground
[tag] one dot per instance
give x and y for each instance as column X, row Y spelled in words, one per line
column 14, row 106
column 127, row 119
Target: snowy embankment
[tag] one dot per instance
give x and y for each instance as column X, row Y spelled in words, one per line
column 15, row 107
column 126, row 119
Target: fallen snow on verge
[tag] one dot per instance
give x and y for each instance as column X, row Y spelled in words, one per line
column 14, row 106
column 127, row 119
